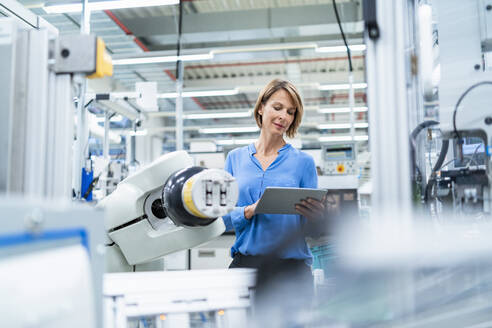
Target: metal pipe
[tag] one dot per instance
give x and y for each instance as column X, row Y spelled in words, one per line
column 85, row 18
column 179, row 108
column 82, row 126
column 106, row 136
column 351, row 104
column 133, row 142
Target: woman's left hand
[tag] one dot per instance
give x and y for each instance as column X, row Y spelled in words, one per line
column 311, row 208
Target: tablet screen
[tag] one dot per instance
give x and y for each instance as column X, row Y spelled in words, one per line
column 278, row 200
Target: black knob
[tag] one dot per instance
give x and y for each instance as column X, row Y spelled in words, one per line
column 489, row 7
column 477, row 67
column 65, row 53
column 488, row 120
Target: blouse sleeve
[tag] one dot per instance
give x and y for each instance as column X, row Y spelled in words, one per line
column 310, row 176
column 227, row 218
column 234, row 220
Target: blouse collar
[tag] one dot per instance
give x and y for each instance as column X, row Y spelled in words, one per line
column 252, row 148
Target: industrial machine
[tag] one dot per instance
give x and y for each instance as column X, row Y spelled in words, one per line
column 339, row 159
column 340, row 168
column 40, row 72
column 462, row 185
column 165, row 207
column 196, row 298
column 51, row 263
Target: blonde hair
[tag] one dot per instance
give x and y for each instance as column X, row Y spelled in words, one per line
column 268, row 91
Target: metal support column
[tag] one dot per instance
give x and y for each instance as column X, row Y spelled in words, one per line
column 351, row 99
column 82, row 126
column 388, row 65
column 179, row 107
column 107, row 115
column 390, row 92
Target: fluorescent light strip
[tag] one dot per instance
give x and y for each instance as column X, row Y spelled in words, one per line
column 334, row 49
column 342, row 86
column 361, row 125
column 161, row 59
column 334, row 126
column 235, row 142
column 210, row 55
column 217, row 115
column 207, row 93
column 266, row 48
column 107, row 5
column 343, row 138
column 238, row 129
column 336, row 110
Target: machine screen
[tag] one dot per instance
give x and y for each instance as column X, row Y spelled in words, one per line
column 473, row 152
column 337, row 154
column 471, row 149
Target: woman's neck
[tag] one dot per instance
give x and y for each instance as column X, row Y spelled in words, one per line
column 268, row 144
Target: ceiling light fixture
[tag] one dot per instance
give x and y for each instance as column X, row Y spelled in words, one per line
column 161, row 59
column 239, row 129
column 361, row 138
column 205, row 93
column 226, row 142
column 271, row 47
column 337, row 110
column 107, row 5
column 343, row 138
column 210, row 55
column 342, row 86
column 334, row 126
column 361, row 125
column 341, row 49
column 216, row 115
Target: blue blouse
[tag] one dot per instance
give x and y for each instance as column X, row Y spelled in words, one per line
column 263, row 232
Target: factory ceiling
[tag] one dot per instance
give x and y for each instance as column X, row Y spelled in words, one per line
column 248, row 42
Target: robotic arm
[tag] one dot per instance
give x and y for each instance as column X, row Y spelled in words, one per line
column 167, row 206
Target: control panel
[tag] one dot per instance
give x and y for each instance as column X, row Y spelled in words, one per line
column 339, row 159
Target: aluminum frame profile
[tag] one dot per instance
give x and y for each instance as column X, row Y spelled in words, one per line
column 388, row 98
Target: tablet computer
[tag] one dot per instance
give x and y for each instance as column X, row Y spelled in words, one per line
column 281, row 200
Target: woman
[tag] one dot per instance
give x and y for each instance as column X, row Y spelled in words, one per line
column 271, row 161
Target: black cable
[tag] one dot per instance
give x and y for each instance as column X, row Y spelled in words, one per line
column 178, row 46
column 91, row 186
column 351, row 69
column 457, row 135
column 418, row 129
column 89, row 102
column 473, row 156
column 428, row 189
column 432, row 178
column 468, row 158
column 442, row 155
column 413, row 145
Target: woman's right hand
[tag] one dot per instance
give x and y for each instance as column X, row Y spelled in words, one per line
column 249, row 210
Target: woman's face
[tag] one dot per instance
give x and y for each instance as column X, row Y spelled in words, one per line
column 278, row 113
